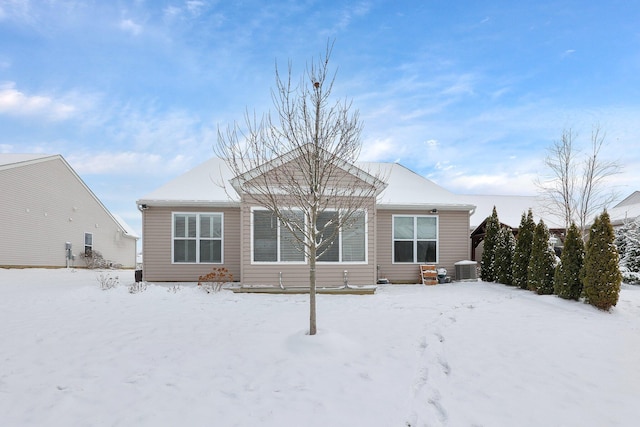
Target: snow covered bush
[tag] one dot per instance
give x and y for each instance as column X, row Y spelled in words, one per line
column 567, row 282
column 628, row 243
column 107, row 281
column 601, row 275
column 213, row 282
column 522, row 254
column 137, row 287
column 93, row 259
column 542, row 263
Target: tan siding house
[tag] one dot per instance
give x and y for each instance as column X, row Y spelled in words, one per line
column 199, row 221
column 46, row 205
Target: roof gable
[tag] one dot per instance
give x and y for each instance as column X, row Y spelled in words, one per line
column 626, row 210
column 632, row 199
column 16, row 160
column 301, row 156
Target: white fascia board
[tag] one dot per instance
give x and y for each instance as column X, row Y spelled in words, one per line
column 424, row 207
column 192, row 203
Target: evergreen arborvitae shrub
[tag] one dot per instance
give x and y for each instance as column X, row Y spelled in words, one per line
column 567, row 282
column 601, row 275
column 522, row 253
column 504, row 256
column 487, row 264
column 541, row 265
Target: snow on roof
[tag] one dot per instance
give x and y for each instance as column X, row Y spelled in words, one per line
column 129, row 231
column 632, row 199
column 407, row 189
column 209, row 183
column 510, row 209
column 206, row 183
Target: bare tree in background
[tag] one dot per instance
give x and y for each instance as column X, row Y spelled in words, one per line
column 575, row 189
column 298, row 164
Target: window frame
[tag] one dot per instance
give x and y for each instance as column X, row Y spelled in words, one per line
column 198, row 238
column 415, row 238
column 88, row 248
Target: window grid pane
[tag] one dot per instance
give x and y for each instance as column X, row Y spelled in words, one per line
column 291, row 247
column 353, row 240
column 403, row 227
column 265, row 236
column 426, row 228
column 327, row 225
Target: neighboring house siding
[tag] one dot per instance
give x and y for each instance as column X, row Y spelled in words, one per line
column 328, row 274
column 44, row 205
column 453, row 244
column 157, row 244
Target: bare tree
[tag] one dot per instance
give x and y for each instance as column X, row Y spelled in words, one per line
column 298, row 164
column 559, row 190
column 575, row 190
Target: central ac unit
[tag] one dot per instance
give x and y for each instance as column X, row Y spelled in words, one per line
column 466, row 270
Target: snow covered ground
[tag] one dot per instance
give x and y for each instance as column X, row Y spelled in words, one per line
column 459, row 354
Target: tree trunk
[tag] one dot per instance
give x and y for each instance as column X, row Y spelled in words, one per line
column 312, row 294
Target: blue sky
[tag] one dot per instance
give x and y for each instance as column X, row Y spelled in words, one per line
column 467, row 93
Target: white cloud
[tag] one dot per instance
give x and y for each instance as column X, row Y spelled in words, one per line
column 195, row 6
column 103, row 163
column 131, row 27
column 432, row 143
column 378, row 150
column 499, row 183
column 19, row 10
column 16, row 103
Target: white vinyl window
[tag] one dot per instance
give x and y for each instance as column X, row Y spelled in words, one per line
column 273, row 242
column 197, row 238
column 415, row 239
column 88, row 243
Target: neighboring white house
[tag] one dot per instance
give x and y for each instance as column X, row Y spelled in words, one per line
column 626, row 210
column 46, row 207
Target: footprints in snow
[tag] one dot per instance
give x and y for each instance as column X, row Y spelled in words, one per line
column 432, row 373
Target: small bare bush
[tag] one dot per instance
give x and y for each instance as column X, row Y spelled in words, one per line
column 137, row 287
column 93, row 259
column 213, row 282
column 107, row 281
column 175, row 289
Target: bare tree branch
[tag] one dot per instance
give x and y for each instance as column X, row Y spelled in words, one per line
column 299, row 159
column 576, row 191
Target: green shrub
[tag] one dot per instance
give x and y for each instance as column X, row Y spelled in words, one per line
column 504, row 256
column 601, row 275
column 567, row 283
column 541, row 265
column 487, row 264
column 522, row 253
